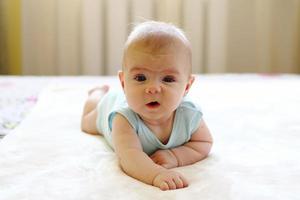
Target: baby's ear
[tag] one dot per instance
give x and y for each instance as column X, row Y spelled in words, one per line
column 189, row 84
column 121, row 78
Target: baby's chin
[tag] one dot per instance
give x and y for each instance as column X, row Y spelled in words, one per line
column 155, row 117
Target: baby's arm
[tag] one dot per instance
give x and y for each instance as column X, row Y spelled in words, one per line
column 136, row 163
column 194, row 150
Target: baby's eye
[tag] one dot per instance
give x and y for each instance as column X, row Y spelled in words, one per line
column 169, row 79
column 140, row 77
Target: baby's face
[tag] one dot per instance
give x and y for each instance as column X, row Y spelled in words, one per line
column 155, row 83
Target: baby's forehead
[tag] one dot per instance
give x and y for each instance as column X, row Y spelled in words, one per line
column 158, row 45
column 158, row 38
column 167, row 60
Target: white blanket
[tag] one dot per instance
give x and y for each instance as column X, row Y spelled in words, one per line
column 254, row 120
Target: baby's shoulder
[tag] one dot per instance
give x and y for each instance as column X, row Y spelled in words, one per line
column 189, row 105
column 189, row 115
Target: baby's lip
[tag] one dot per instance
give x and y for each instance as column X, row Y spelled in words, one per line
column 153, row 104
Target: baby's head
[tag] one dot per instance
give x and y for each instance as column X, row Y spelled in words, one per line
column 156, row 70
column 158, row 38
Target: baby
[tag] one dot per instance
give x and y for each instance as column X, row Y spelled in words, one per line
column 152, row 126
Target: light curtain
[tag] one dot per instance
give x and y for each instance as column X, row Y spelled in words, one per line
column 10, row 37
column 74, row 37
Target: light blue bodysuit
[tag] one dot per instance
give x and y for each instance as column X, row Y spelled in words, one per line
column 186, row 121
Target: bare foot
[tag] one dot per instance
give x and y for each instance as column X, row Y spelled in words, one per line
column 102, row 89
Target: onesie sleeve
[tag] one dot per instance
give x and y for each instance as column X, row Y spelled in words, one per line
column 126, row 112
column 193, row 114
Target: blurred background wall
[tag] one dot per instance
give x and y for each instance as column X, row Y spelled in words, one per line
column 10, row 37
column 86, row 37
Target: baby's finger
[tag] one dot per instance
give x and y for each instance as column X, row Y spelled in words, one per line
column 178, row 182
column 184, row 181
column 171, row 184
column 164, row 186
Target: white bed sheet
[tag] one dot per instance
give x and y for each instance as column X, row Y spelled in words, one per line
column 254, row 121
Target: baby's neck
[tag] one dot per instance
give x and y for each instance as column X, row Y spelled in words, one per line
column 161, row 128
column 159, row 122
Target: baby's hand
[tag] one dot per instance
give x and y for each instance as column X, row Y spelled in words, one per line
column 169, row 180
column 165, row 158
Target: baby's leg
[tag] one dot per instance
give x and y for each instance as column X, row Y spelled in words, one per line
column 89, row 116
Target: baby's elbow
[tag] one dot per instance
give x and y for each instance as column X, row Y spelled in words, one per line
column 209, row 147
column 202, row 148
column 206, row 149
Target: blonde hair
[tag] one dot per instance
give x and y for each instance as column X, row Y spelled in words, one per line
column 157, row 36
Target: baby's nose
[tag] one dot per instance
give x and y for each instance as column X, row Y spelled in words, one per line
column 153, row 89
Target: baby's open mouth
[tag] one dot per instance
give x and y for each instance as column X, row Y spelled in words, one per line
column 153, row 104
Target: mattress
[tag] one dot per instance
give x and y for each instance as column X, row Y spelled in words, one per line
column 254, row 120
column 17, row 96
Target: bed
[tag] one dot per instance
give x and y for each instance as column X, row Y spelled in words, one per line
column 254, row 120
